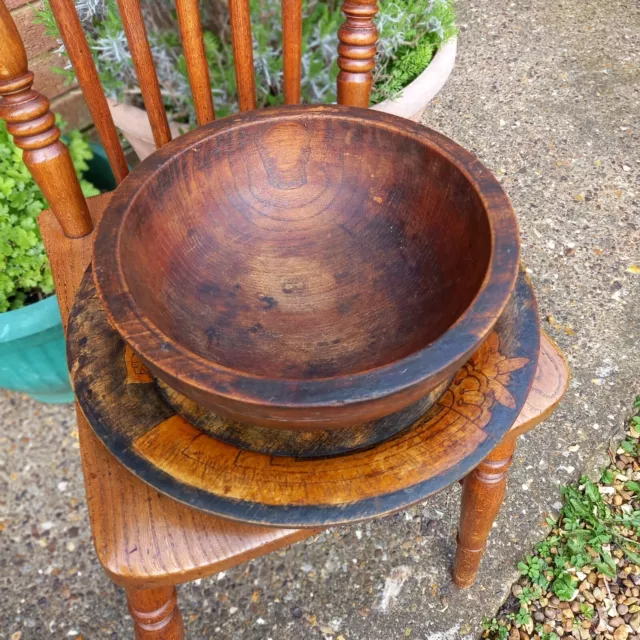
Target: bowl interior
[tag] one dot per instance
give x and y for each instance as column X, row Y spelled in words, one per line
column 305, row 248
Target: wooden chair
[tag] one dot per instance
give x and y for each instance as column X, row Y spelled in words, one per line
column 146, row 541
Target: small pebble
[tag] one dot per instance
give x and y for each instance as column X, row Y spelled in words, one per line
column 550, row 613
column 621, row 633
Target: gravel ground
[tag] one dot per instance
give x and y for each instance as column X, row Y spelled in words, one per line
column 584, row 579
column 547, row 95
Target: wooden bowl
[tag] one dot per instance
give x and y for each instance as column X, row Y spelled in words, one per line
column 307, row 267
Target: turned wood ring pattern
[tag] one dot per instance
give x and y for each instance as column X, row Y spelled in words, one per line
column 127, row 412
column 307, row 267
column 290, row 442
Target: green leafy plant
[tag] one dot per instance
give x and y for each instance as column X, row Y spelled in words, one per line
column 536, row 569
column 492, row 625
column 607, row 477
column 410, row 33
column 523, row 617
column 594, row 535
column 25, row 275
column 529, row 594
column 629, row 447
column 565, row 585
column 587, row 610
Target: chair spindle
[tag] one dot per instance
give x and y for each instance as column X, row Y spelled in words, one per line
column 292, row 49
column 358, row 37
column 243, row 53
column 79, row 53
column 136, row 32
column 32, row 125
column 195, row 55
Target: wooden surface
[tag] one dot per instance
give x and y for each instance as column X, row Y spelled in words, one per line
column 155, row 613
column 482, row 495
column 131, row 418
column 195, row 56
column 142, row 537
column 151, row 540
column 136, row 33
column 292, row 49
column 484, row 488
column 240, row 17
column 77, row 48
column 549, row 387
column 333, row 267
column 178, row 543
column 287, row 442
column 32, row 125
column 358, row 38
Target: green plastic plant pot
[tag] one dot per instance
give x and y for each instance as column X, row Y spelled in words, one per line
column 32, row 344
column 99, row 173
column 32, row 352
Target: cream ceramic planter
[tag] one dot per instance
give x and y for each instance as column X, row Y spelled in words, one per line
column 410, row 103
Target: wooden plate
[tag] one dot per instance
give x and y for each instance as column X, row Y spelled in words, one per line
column 295, row 442
column 127, row 412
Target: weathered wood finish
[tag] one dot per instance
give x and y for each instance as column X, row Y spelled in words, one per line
column 318, row 238
column 484, row 488
column 77, row 48
column 482, row 495
column 194, row 53
column 32, row 125
column 155, row 613
column 136, row 33
column 358, row 38
column 549, row 387
column 287, row 442
column 148, row 540
column 292, row 49
column 145, row 540
column 130, row 417
column 240, row 17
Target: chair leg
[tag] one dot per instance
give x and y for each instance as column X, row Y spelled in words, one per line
column 155, row 613
column 482, row 495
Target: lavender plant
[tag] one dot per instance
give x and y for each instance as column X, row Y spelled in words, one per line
column 410, row 33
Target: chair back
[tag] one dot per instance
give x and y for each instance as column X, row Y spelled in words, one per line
column 32, row 124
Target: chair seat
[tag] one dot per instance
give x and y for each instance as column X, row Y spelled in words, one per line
column 144, row 538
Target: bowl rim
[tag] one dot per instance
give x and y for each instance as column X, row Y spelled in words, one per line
column 433, row 361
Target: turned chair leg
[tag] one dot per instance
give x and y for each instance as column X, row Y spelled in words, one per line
column 482, row 495
column 155, row 613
